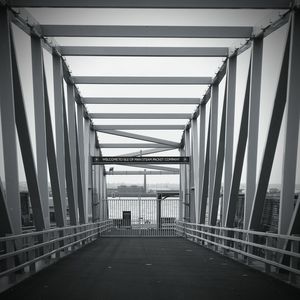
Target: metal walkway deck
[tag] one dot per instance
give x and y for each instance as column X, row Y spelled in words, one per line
column 149, row 268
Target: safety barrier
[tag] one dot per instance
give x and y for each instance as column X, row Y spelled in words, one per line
column 24, row 254
column 143, row 217
column 276, row 253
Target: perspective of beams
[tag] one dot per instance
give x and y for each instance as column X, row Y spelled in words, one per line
column 99, row 97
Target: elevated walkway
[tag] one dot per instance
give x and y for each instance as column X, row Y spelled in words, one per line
column 155, row 268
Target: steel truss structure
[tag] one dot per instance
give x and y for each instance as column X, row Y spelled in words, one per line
column 64, row 153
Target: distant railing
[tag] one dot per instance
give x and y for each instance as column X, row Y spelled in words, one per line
column 29, row 252
column 275, row 252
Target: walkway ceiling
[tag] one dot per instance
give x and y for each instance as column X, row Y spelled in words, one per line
column 147, row 65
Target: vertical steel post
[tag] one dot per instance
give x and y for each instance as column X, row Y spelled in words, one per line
column 287, row 201
column 187, row 147
column 68, row 169
column 91, row 170
column 60, row 212
column 239, row 159
column 7, row 110
column 40, row 125
column 219, row 167
column 213, row 142
column 229, row 130
column 101, row 192
column 87, row 164
column 80, row 165
column 271, row 143
column 26, row 146
column 182, row 188
column 254, row 104
column 204, row 191
column 72, row 142
column 59, row 126
column 194, row 204
column 202, row 130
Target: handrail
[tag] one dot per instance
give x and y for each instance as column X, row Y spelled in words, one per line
column 62, row 238
column 22, row 235
column 260, row 233
column 240, row 242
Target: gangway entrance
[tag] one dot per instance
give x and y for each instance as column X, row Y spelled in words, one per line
column 144, row 217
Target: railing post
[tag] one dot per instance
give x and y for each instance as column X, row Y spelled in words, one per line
column 268, row 255
column 31, row 254
column 294, row 261
column 10, row 261
column 235, row 245
column 249, row 247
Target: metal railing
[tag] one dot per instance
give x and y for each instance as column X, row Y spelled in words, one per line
column 275, row 254
column 29, row 252
column 142, row 217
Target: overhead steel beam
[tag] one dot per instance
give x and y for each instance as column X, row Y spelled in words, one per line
column 145, row 51
column 202, row 4
column 145, row 152
column 141, row 80
column 123, row 145
column 160, row 116
column 141, row 137
column 147, row 31
column 138, row 127
column 141, row 173
column 154, row 167
column 172, row 101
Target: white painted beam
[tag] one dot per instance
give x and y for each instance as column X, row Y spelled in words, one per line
column 140, row 137
column 123, row 145
column 147, row 31
column 172, row 101
column 145, row 51
column 189, row 4
column 140, row 116
column 138, row 127
column 141, row 80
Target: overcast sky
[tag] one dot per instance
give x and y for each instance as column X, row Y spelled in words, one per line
column 141, row 66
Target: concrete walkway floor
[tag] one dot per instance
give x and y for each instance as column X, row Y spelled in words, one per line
column 149, row 268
